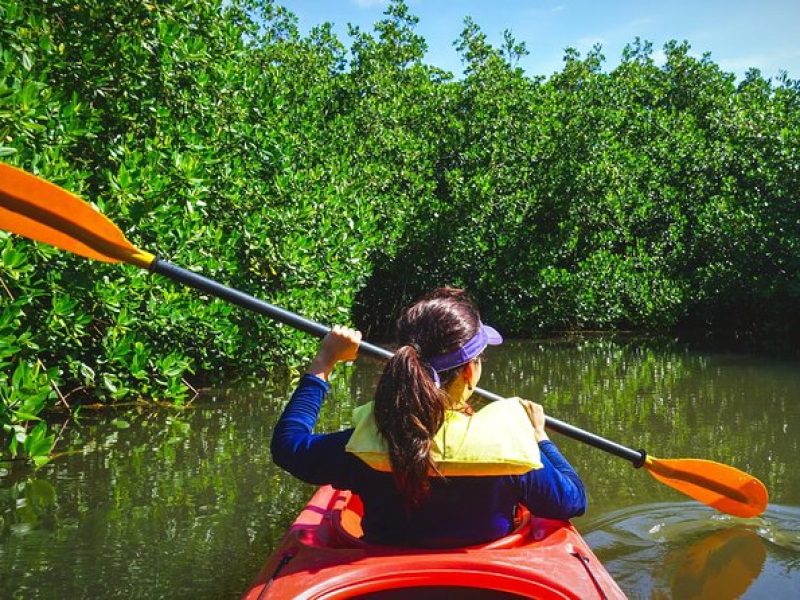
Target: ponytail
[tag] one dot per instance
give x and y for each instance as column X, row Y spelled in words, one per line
column 409, row 410
column 410, row 402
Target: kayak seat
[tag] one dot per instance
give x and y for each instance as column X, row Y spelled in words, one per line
column 347, row 510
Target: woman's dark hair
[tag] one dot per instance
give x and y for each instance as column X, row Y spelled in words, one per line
column 409, row 407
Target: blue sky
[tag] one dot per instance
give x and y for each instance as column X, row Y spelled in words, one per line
column 738, row 34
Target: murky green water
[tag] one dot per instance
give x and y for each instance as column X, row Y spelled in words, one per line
column 188, row 504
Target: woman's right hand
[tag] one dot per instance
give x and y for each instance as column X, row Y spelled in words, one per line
column 536, row 415
column 340, row 344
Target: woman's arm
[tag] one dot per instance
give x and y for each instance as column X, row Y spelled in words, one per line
column 315, row 458
column 555, row 491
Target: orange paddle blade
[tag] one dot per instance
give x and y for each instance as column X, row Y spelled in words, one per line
column 39, row 210
column 723, row 487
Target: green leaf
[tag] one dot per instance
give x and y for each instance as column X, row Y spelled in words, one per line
column 110, row 382
column 20, row 416
column 38, row 443
column 41, row 461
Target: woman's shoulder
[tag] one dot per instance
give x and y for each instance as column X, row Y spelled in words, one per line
column 495, row 441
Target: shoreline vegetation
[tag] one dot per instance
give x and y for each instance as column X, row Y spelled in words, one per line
column 341, row 178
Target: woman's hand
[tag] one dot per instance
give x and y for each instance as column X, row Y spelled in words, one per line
column 536, row 415
column 341, row 344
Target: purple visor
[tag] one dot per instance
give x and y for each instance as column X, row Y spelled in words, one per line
column 486, row 336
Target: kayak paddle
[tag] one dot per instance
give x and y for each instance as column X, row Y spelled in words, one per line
column 39, row 210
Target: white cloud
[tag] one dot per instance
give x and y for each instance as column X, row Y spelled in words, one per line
column 586, row 43
column 768, row 63
column 619, row 35
column 741, row 63
column 659, row 57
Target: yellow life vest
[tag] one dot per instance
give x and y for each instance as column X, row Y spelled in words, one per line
column 496, row 440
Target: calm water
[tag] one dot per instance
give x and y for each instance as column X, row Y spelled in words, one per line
column 187, row 504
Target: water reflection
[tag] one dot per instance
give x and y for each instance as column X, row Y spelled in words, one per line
column 188, row 504
column 178, row 505
column 35, row 506
column 686, row 551
column 721, row 565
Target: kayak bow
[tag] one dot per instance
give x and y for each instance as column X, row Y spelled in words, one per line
column 323, row 556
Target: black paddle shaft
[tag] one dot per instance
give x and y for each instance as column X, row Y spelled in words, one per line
column 204, row 284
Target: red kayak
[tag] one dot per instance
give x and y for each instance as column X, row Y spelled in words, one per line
column 323, row 557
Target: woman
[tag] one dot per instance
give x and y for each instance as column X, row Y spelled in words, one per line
column 428, row 381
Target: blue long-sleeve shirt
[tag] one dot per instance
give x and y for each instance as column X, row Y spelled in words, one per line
column 459, row 510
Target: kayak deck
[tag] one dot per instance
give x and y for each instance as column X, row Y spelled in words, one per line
column 322, row 557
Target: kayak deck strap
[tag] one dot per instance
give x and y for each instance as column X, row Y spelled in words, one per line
column 584, row 560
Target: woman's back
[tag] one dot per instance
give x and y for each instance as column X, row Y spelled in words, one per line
column 457, row 510
column 434, row 370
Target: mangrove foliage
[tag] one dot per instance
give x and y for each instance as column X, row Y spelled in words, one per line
column 340, row 178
